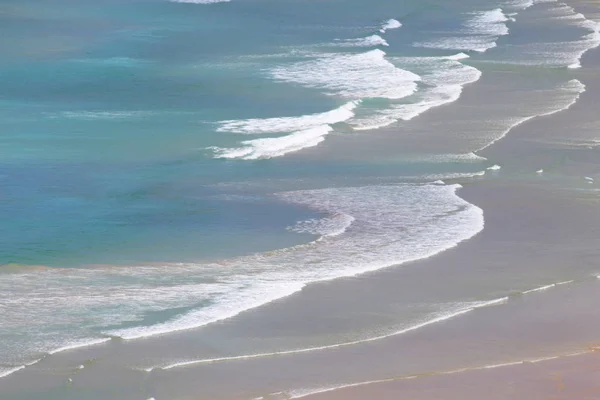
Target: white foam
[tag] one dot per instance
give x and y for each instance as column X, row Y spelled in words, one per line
column 79, row 344
column 569, row 93
column 4, row 372
column 48, row 309
column 9, row 371
column 289, row 124
column 520, row 5
column 437, row 319
column 442, row 79
column 275, row 147
column 332, row 225
column 562, row 54
column 403, row 223
column 457, row 57
column 369, row 41
column 301, row 393
column 564, row 283
column 390, row 24
column 540, row 171
column 540, row 289
column 495, row 167
column 480, row 33
column 353, row 76
column 456, row 175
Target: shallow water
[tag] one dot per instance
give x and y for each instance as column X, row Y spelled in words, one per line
column 176, row 163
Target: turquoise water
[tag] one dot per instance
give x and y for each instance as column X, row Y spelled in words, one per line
column 147, row 134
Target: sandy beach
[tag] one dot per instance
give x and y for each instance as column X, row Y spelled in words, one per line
column 511, row 313
column 521, row 246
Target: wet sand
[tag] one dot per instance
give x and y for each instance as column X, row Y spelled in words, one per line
column 564, row 378
column 541, row 229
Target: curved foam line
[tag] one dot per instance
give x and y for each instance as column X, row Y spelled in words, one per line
column 309, row 392
column 540, row 289
column 11, row 371
column 581, row 89
column 337, row 345
column 79, row 345
column 8, row 372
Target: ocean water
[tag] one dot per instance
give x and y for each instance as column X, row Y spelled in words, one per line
column 166, row 165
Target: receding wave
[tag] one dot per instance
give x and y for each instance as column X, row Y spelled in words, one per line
column 564, row 54
column 442, row 82
column 403, row 222
column 565, row 96
column 367, row 228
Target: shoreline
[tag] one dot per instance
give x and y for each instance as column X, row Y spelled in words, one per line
column 537, row 237
column 466, row 384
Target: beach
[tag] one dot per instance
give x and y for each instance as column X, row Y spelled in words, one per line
column 449, row 255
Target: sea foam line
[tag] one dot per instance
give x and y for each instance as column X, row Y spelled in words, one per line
column 432, row 321
column 575, row 85
column 256, row 149
column 79, row 345
column 443, row 80
column 546, row 287
column 402, row 222
column 289, row 124
column 480, row 33
column 435, row 320
column 301, row 393
column 7, row 372
column 369, row 41
column 73, row 346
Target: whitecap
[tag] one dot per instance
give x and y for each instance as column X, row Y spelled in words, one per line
column 274, row 147
column 480, row 33
column 390, row 24
column 369, row 41
column 289, row 124
column 353, row 76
